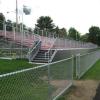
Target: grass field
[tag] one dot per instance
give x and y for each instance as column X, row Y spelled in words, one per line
column 24, row 86
column 33, row 84
column 93, row 73
column 14, row 65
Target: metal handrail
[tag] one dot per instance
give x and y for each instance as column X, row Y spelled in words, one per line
column 32, row 53
column 53, row 55
column 50, row 50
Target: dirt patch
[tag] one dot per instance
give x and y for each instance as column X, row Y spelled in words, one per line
column 83, row 90
column 59, row 85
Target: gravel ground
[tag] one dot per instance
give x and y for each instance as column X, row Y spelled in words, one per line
column 83, row 90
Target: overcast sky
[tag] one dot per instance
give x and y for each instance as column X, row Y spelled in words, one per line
column 80, row 14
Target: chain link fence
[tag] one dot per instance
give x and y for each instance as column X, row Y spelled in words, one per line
column 85, row 62
column 45, row 82
column 65, row 43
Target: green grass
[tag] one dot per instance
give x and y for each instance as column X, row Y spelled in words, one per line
column 14, row 65
column 24, row 86
column 30, row 85
column 93, row 73
column 27, row 85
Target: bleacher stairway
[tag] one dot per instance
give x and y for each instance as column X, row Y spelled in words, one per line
column 43, row 56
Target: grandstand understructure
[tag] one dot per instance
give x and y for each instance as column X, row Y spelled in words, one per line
column 36, row 48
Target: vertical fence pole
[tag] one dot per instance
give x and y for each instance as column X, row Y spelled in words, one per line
column 77, row 65
column 49, row 79
column 14, row 33
column 72, row 68
column 5, row 30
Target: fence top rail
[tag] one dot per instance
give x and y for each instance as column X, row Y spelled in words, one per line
column 61, row 60
column 20, row 71
column 33, row 68
column 88, row 53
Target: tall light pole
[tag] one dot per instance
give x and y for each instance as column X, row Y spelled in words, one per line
column 16, row 15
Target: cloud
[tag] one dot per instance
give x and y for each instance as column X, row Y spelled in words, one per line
column 80, row 14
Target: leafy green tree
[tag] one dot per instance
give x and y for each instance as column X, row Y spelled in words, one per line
column 19, row 26
column 30, row 30
column 57, row 31
column 61, row 32
column 94, row 35
column 9, row 26
column 45, row 23
column 74, row 34
column 84, row 37
column 36, row 30
column 2, row 20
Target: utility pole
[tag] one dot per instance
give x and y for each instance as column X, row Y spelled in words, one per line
column 16, row 15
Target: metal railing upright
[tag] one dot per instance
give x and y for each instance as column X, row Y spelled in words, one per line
column 50, row 53
column 34, row 50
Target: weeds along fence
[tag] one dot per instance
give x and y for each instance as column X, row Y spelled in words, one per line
column 85, row 62
column 45, row 82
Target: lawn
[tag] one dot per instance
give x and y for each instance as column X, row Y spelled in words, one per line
column 93, row 73
column 14, row 65
column 32, row 84
column 27, row 85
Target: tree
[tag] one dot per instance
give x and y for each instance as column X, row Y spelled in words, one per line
column 94, row 35
column 45, row 23
column 19, row 26
column 9, row 26
column 61, row 32
column 30, row 30
column 36, row 30
column 57, row 30
column 2, row 20
column 84, row 37
column 73, row 33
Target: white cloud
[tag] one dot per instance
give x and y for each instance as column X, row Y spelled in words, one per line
column 80, row 14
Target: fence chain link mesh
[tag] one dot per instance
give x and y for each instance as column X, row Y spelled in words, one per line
column 85, row 62
column 44, row 82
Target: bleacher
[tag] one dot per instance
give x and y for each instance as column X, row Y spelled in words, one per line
column 21, row 43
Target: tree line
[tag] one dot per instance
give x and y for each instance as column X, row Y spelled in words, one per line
column 10, row 25
column 45, row 24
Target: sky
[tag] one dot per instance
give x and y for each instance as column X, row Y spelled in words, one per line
column 80, row 14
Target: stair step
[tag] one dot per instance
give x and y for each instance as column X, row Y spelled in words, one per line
column 42, row 54
column 42, row 61
column 43, row 51
column 41, row 58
